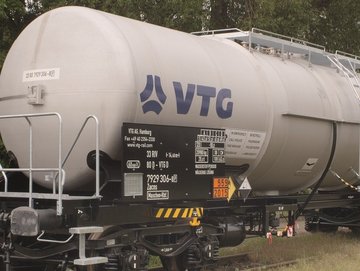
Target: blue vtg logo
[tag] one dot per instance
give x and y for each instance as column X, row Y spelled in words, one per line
column 152, row 105
column 185, row 97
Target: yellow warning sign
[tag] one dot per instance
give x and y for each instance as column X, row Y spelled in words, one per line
column 232, row 189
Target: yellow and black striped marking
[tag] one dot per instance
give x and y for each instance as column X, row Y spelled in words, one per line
column 181, row 213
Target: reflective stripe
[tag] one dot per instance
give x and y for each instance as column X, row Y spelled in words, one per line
column 179, row 212
column 191, row 212
column 168, row 212
column 176, row 214
column 159, row 213
column 184, row 215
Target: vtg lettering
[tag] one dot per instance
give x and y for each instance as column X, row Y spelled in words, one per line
column 185, row 98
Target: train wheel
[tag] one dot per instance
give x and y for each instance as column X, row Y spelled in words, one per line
column 355, row 230
column 309, row 227
column 312, row 227
column 120, row 258
column 328, row 228
column 173, row 263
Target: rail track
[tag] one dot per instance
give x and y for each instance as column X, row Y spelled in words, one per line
column 241, row 262
column 222, row 262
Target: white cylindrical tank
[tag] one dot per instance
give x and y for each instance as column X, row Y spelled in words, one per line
column 122, row 70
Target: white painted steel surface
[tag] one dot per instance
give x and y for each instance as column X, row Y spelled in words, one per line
column 90, row 62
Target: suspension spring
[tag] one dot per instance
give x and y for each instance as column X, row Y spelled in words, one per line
column 216, row 250
column 193, row 255
column 112, row 264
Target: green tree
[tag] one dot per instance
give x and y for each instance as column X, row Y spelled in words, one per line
column 186, row 16
column 287, row 17
column 177, row 14
column 14, row 16
column 332, row 23
column 3, row 154
column 232, row 13
column 337, row 25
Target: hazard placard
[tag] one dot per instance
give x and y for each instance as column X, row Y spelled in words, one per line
column 220, row 188
column 223, row 188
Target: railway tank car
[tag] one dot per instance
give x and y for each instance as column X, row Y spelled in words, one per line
column 188, row 125
column 101, row 64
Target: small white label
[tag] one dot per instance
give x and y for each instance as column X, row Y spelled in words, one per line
column 243, row 144
column 310, row 163
column 133, row 164
column 110, row 242
column 158, row 195
column 41, row 75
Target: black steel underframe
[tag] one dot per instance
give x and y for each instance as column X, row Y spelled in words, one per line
column 138, row 221
column 144, row 213
column 86, row 213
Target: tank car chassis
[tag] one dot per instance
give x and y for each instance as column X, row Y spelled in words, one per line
column 117, row 225
column 138, row 231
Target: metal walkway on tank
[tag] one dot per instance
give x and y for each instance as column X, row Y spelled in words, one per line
column 256, row 38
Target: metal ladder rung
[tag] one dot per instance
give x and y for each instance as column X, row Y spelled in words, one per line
column 83, row 260
column 91, row 261
column 350, row 75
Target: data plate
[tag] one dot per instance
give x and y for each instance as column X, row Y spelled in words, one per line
column 177, row 163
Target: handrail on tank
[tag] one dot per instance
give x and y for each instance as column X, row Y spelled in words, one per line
column 341, row 53
column 59, row 170
column 291, row 39
column 4, row 176
column 335, row 60
column 218, row 31
column 97, row 151
column 348, row 57
column 354, row 58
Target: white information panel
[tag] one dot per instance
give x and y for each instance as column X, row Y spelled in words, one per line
column 243, row 144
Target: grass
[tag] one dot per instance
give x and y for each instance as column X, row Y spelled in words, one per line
column 337, row 251
column 316, row 252
column 154, row 261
